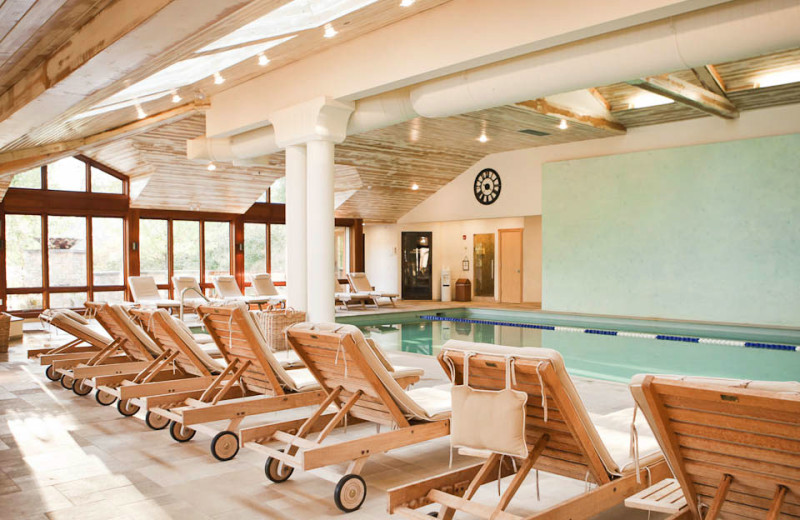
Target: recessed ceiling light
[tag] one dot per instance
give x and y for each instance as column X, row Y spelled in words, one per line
column 176, row 98
column 648, row 99
column 140, row 113
column 563, row 124
column 218, row 79
column 483, row 138
column 263, row 60
column 415, row 186
column 330, row 32
column 407, row 3
column 774, row 79
column 211, row 167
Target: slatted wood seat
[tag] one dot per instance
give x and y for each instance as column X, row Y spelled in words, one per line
column 734, row 446
column 560, row 435
column 357, row 382
column 249, row 380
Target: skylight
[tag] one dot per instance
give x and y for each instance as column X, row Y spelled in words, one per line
column 293, row 17
column 649, row 99
column 782, row 77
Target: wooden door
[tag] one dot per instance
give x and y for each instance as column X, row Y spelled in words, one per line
column 510, row 265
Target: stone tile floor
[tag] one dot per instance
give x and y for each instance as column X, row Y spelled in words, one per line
column 66, row 457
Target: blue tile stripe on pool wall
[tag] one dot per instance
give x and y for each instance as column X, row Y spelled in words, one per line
column 663, row 337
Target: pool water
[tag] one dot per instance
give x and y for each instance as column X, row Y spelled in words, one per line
column 599, row 354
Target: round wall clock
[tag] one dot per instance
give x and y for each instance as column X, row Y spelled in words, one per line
column 487, row 186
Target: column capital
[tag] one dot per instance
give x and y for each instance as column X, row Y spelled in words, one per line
column 319, row 119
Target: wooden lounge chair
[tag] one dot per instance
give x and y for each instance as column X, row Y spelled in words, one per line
column 228, row 289
column 249, row 381
column 145, row 292
column 360, row 284
column 734, row 446
column 262, row 284
column 357, row 381
column 560, row 435
column 190, row 295
column 86, row 344
column 346, row 299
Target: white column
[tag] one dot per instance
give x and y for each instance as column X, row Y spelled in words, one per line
column 296, row 261
column 321, row 269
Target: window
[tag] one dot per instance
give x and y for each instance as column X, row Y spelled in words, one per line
column 186, row 248
column 24, row 251
column 108, row 249
column 263, row 197
column 109, row 296
column 67, row 175
column 70, row 300
column 217, row 244
column 153, row 251
column 66, row 250
column 255, row 248
column 342, row 251
column 24, row 302
column 277, row 252
column 103, row 182
column 277, row 192
column 31, row 179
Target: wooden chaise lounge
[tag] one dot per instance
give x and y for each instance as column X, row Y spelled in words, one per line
column 560, row 435
column 734, row 446
column 355, row 380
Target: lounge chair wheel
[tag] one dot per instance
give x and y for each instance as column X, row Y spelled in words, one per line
column 276, row 471
column 127, row 408
column 434, row 514
column 155, row 421
column 66, row 381
column 350, row 493
column 80, row 387
column 180, row 433
column 225, row 445
column 51, row 373
column 105, row 398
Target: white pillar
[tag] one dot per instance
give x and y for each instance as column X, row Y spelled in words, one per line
column 296, row 261
column 321, row 305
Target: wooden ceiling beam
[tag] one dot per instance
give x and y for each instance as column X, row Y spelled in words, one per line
column 684, row 92
column 710, row 79
column 545, row 107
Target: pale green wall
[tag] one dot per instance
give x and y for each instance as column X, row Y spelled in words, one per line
column 709, row 232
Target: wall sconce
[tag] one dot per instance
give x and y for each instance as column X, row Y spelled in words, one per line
column 240, row 247
column 465, row 262
column 134, row 246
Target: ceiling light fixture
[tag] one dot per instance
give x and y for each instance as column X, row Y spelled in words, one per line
column 563, row 124
column 774, row 79
column 263, row 60
column 211, row 167
column 330, row 32
column 483, row 137
column 176, row 98
column 415, row 186
column 140, row 113
column 407, row 3
column 218, row 79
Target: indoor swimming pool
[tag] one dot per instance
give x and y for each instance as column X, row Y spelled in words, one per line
column 603, row 348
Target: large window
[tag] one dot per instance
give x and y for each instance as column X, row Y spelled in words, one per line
column 24, row 251
column 67, row 175
column 103, row 182
column 72, row 174
column 277, row 192
column 217, row 248
column 31, row 179
column 277, row 252
column 108, row 249
column 153, row 249
column 255, row 248
column 66, row 250
column 186, row 248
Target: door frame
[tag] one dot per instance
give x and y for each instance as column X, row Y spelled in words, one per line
column 500, row 233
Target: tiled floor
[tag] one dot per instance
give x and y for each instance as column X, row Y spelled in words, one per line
column 64, row 456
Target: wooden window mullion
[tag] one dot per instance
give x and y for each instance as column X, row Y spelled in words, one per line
column 44, row 218
column 89, row 259
column 170, row 258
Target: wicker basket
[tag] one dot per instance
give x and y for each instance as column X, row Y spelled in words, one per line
column 274, row 322
column 5, row 328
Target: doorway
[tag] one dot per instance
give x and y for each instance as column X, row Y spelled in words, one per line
column 483, row 260
column 416, row 265
column 510, row 265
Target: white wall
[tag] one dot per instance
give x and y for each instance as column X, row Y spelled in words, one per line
column 521, row 170
column 382, row 256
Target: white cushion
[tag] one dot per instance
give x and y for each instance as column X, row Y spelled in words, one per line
column 303, row 379
column 434, row 401
column 288, row 358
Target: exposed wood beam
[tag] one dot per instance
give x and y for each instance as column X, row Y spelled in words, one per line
column 710, row 79
column 600, row 99
column 542, row 106
column 688, row 94
column 19, row 160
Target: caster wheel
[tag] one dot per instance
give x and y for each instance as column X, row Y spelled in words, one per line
column 156, row 422
column 350, row 493
column 276, row 471
column 80, row 387
column 105, row 398
column 180, row 433
column 127, row 408
column 66, row 381
column 434, row 514
column 225, row 445
column 51, row 373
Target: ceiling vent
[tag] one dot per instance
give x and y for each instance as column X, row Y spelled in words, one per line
column 534, row 132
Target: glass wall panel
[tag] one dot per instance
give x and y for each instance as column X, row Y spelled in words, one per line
column 24, row 302
column 277, row 192
column 277, row 252
column 153, row 249
column 108, row 249
column 255, row 248
column 30, row 179
column 186, row 248
column 24, row 251
column 67, row 300
column 67, row 174
column 105, row 183
column 217, row 237
column 341, row 251
column 66, row 250
column 109, row 296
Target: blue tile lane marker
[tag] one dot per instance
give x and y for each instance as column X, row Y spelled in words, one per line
column 664, row 337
